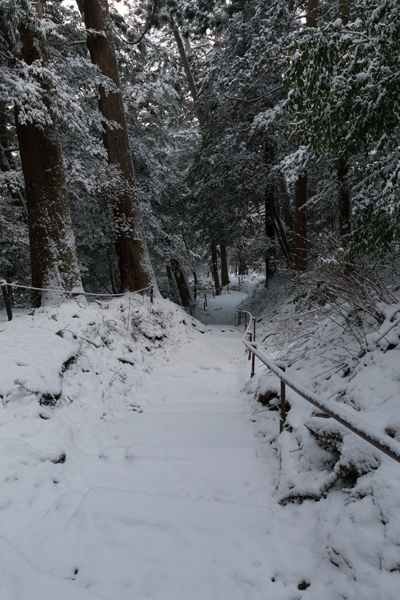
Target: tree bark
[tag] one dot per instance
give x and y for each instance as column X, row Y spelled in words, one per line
column 187, row 69
column 300, row 219
column 311, row 18
column 269, row 228
column 170, row 281
column 54, row 261
column 241, row 260
column 224, row 265
column 182, row 283
column 214, row 258
column 281, row 235
column 134, row 261
column 342, row 170
column 344, row 11
column 195, row 284
column 112, row 279
column 344, row 199
column 169, row 274
column 300, row 225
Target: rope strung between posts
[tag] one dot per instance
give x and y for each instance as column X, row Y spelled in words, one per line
column 4, row 284
column 82, row 293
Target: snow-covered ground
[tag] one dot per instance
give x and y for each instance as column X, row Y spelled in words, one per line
column 157, row 475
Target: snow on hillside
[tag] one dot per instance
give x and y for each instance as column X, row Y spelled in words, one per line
column 357, row 515
column 69, row 380
column 137, row 460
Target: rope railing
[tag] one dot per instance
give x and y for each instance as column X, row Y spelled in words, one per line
column 213, row 293
column 4, row 284
column 352, row 422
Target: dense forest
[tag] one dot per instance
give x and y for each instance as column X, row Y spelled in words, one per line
column 141, row 142
column 218, row 419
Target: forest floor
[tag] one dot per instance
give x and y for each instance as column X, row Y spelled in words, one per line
column 136, row 463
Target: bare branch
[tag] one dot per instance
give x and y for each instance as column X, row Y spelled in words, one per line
column 77, row 43
column 7, row 117
column 254, row 99
column 153, row 14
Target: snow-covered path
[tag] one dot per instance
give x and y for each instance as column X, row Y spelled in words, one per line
column 170, row 486
column 166, row 492
column 193, row 521
column 177, row 508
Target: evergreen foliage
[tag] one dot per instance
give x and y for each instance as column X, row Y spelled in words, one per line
column 217, row 157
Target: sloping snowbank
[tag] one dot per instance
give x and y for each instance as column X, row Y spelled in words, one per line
column 358, row 488
column 133, row 466
column 64, row 370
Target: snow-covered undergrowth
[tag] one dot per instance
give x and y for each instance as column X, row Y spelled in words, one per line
column 356, row 519
column 133, row 464
column 59, row 354
column 68, row 383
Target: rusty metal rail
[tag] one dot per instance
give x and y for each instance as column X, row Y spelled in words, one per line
column 352, row 422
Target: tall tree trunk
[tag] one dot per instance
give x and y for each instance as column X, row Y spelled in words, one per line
column 214, row 257
column 169, row 275
column 134, row 261
column 241, row 260
column 281, row 235
column 224, row 265
column 344, row 11
column 187, row 69
column 300, row 225
column 269, row 228
column 170, row 281
column 269, row 206
column 311, row 19
column 182, row 283
column 195, row 284
column 344, row 198
column 112, row 279
column 343, row 167
column 54, row 261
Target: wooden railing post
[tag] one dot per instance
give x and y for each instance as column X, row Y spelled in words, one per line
column 6, row 301
column 283, row 404
column 253, row 356
column 370, row 434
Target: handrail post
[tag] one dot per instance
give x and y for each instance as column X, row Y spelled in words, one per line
column 253, row 356
column 250, row 340
column 6, row 300
column 283, row 404
column 366, row 432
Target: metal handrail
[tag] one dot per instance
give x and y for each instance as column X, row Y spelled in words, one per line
column 205, row 294
column 365, row 431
